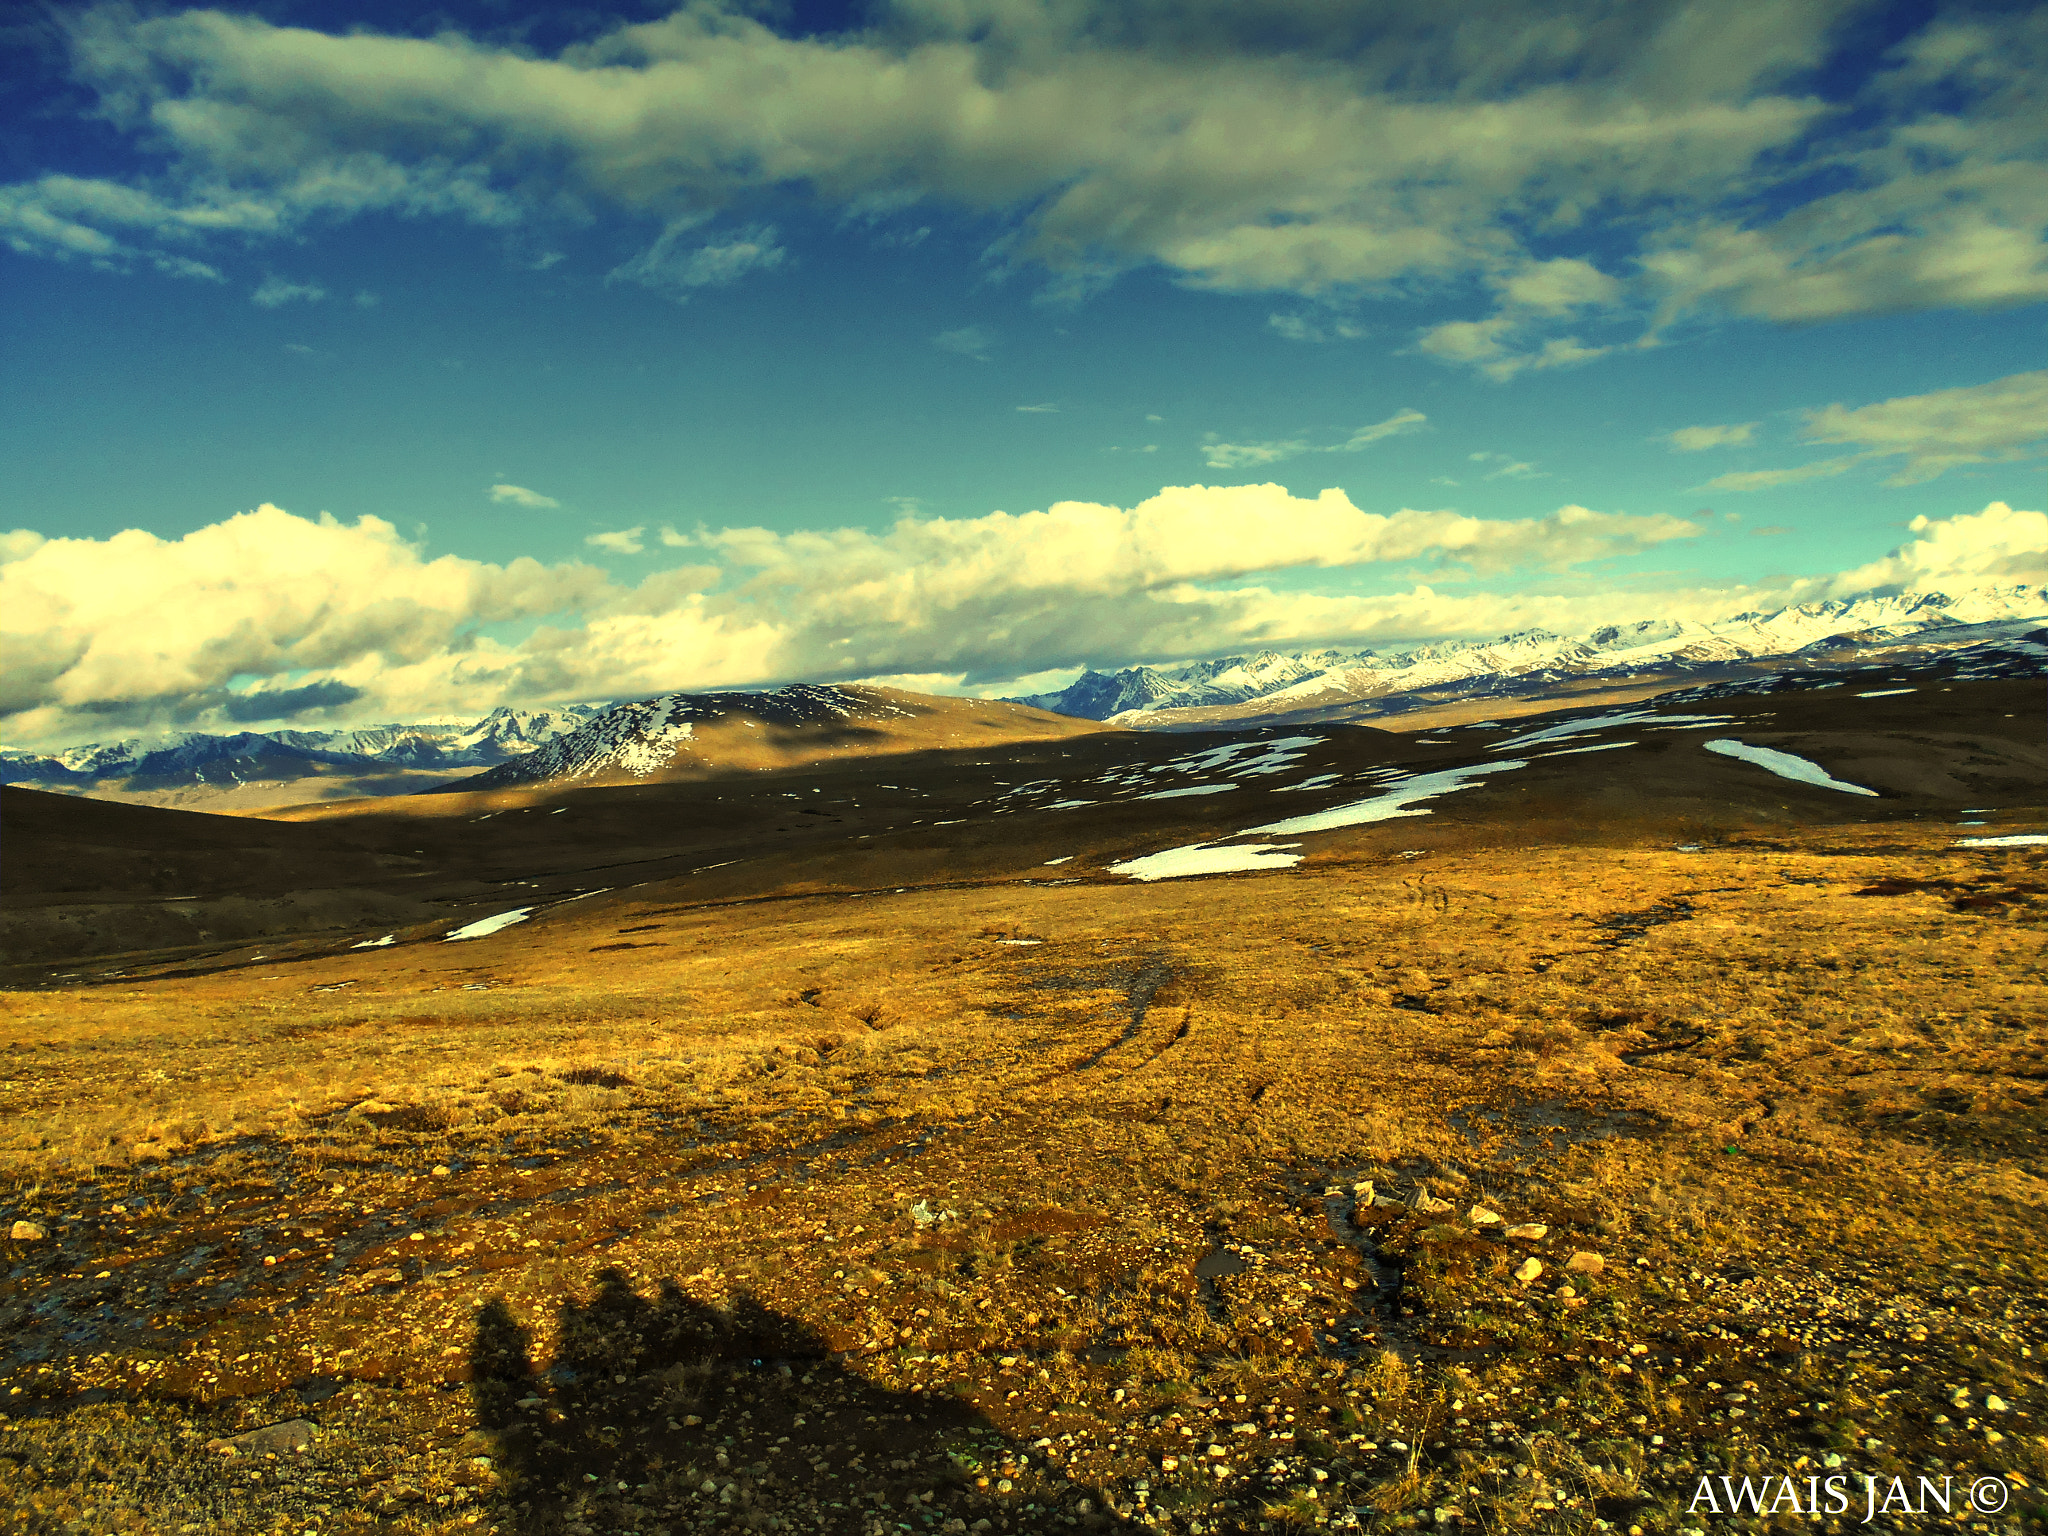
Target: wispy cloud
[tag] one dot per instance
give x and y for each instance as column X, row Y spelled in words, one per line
column 1927, row 435
column 968, row 341
column 1506, row 467
column 673, row 267
column 622, row 541
column 1921, row 436
column 1314, row 329
column 1039, row 410
column 1221, row 455
column 1695, row 439
column 520, row 496
column 1770, row 479
column 275, row 292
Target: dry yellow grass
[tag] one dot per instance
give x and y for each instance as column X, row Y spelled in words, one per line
column 928, row 1150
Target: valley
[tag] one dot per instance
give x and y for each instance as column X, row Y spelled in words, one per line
column 1524, row 1120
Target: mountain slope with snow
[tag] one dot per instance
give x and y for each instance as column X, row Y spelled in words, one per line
column 687, row 735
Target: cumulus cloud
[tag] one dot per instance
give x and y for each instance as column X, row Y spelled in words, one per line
column 275, row 292
column 1318, row 151
column 1221, row 455
column 136, row 631
column 1695, row 439
column 1922, row 436
column 130, row 628
column 1997, row 544
column 520, row 496
column 349, row 621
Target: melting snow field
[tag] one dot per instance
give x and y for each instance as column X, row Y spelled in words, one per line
column 1397, row 799
column 2009, row 840
column 1885, row 693
column 375, row 943
column 484, row 927
column 1202, row 859
column 1784, row 765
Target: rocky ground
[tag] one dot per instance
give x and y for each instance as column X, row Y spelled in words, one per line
column 1484, row 1187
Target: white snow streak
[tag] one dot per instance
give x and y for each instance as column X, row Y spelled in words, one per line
column 1202, row 859
column 1785, row 765
column 1395, row 802
column 484, row 927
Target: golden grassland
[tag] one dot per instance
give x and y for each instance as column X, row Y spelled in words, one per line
column 882, row 1213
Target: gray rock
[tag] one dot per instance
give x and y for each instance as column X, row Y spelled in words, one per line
column 271, row 1440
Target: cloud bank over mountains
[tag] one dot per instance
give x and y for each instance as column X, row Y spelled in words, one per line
column 1589, row 177
column 272, row 616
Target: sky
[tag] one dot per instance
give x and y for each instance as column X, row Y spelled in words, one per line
column 366, row 362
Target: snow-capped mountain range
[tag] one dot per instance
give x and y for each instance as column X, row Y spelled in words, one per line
column 198, row 758
column 1280, row 683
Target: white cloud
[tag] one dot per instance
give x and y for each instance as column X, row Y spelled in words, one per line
column 1771, row 479
column 968, row 341
column 2003, row 420
column 1924, row 436
column 1695, row 439
column 134, row 631
column 1039, row 410
column 1997, row 544
column 105, row 636
column 1222, row 455
column 275, row 292
column 667, row 265
column 520, row 496
column 1349, row 152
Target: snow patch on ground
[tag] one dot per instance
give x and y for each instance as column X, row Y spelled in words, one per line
column 1065, row 858
column 1601, row 723
column 1785, row 765
column 1598, row 746
column 2009, row 840
column 1204, row 859
column 1192, row 789
column 1885, row 693
column 376, row 943
column 1394, row 802
column 1320, row 781
column 484, row 927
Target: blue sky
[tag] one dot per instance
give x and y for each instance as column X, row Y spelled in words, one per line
column 407, row 367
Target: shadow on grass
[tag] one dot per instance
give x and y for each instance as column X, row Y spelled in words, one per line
column 664, row 1414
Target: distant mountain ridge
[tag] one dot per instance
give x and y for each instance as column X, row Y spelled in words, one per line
column 198, row 759
column 1280, row 682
